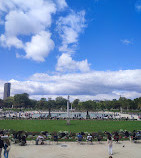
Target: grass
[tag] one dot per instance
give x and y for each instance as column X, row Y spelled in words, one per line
column 75, row 125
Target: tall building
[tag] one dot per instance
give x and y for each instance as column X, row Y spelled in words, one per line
column 7, row 87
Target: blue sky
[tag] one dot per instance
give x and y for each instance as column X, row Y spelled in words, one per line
column 89, row 49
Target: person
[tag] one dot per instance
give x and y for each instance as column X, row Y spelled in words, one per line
column 79, row 136
column 89, row 138
column 116, row 137
column 40, row 138
column 110, row 142
column 6, row 148
column 23, row 140
column 55, row 138
column 1, row 145
column 99, row 138
column 134, row 136
column 127, row 134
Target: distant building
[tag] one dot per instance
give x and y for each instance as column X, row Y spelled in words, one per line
column 7, row 87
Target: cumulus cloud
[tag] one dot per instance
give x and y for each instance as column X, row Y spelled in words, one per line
column 69, row 28
column 61, row 4
column 90, row 85
column 29, row 19
column 8, row 41
column 27, row 26
column 66, row 63
column 94, row 82
column 25, row 18
column 39, row 47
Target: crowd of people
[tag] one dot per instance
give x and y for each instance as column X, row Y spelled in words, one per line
column 5, row 143
column 20, row 138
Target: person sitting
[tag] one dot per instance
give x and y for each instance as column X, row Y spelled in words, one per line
column 41, row 139
column 89, row 138
column 79, row 136
column 116, row 137
column 23, row 140
column 55, row 138
column 127, row 134
column 134, row 136
column 99, row 138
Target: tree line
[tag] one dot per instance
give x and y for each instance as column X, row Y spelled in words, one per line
column 60, row 103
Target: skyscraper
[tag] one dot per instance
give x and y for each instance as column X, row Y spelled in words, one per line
column 7, row 87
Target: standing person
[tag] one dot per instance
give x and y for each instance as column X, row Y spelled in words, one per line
column 110, row 143
column 6, row 148
column 1, row 145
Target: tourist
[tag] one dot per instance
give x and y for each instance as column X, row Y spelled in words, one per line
column 41, row 139
column 116, row 137
column 55, row 138
column 1, row 145
column 23, row 140
column 110, row 142
column 79, row 136
column 134, row 136
column 127, row 134
column 6, row 148
column 99, row 138
column 89, row 138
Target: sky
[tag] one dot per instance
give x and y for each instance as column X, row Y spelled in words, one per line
column 88, row 49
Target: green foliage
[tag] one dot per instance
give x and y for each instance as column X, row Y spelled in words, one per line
column 60, row 103
column 9, row 102
column 1, row 103
column 21, row 100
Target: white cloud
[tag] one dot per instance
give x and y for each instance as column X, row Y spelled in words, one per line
column 66, row 63
column 2, row 88
column 27, row 26
column 61, row 4
column 94, row 82
column 8, row 41
column 39, row 47
column 126, row 42
column 28, row 19
column 90, row 85
column 69, row 28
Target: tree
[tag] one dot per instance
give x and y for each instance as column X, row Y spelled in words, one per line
column 33, row 103
column 137, row 103
column 116, row 104
column 60, row 102
column 75, row 103
column 22, row 100
column 50, row 105
column 88, row 105
column 124, row 103
column 9, row 102
column 1, row 103
column 42, row 104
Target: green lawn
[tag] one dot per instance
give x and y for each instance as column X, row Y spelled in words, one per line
column 75, row 126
